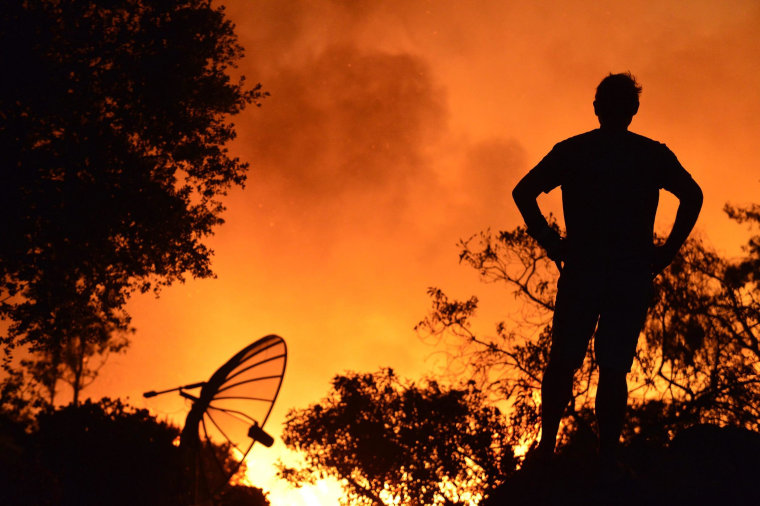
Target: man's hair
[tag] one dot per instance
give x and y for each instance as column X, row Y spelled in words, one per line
column 618, row 94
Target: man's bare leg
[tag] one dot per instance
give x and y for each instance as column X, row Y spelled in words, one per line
column 556, row 392
column 611, row 404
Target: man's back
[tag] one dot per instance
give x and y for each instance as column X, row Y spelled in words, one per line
column 610, row 184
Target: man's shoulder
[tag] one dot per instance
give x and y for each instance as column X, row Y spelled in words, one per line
column 594, row 138
column 580, row 139
column 574, row 146
column 646, row 141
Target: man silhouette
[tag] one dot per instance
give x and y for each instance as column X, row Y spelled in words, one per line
column 610, row 180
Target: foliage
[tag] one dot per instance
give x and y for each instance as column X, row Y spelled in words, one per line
column 698, row 360
column 242, row 495
column 77, row 363
column 113, row 132
column 746, row 271
column 20, row 397
column 95, row 453
column 390, row 442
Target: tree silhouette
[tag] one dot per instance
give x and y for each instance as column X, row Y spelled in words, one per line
column 96, row 453
column 113, row 132
column 698, row 360
column 391, row 442
column 77, row 362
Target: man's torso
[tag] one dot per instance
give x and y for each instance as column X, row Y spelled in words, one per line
column 610, row 191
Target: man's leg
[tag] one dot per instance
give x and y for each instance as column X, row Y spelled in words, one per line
column 556, row 392
column 620, row 324
column 575, row 316
column 611, row 403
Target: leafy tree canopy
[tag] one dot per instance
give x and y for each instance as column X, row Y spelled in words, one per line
column 95, row 453
column 391, row 442
column 113, row 125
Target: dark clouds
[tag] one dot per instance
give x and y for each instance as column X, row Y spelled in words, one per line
column 346, row 120
column 355, row 139
column 491, row 170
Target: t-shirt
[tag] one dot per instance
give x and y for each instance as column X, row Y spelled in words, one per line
column 610, row 190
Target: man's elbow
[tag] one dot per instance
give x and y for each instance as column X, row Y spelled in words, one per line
column 521, row 194
column 516, row 194
column 696, row 197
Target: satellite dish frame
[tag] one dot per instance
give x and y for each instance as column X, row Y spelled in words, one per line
column 190, row 440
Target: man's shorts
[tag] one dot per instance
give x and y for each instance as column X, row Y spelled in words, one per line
column 612, row 302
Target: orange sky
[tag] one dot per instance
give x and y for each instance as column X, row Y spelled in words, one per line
column 396, row 128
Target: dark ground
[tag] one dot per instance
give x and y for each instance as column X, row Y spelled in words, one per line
column 704, row 465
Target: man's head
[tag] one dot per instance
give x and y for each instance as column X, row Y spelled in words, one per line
column 617, row 100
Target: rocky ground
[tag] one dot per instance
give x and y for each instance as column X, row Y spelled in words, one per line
column 704, row 465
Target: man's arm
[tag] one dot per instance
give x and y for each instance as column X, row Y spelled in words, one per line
column 690, row 198
column 525, row 194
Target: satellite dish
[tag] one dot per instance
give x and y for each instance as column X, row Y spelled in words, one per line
column 229, row 414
